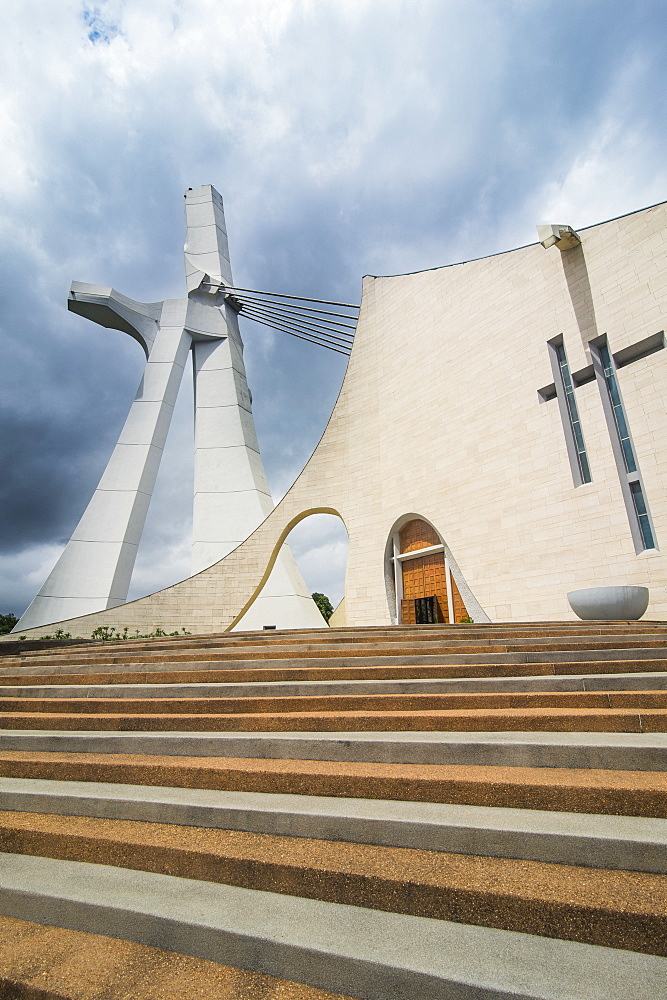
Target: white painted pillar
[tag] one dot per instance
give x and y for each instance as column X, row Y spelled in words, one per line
column 398, row 574
column 93, row 573
column 450, row 593
column 231, row 492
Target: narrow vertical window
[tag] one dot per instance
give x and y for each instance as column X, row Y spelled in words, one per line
column 573, row 413
column 624, row 452
column 642, row 514
column 617, row 409
column 574, row 437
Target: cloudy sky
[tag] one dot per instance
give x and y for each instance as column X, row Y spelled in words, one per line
column 346, row 136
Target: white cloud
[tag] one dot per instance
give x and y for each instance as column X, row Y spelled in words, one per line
column 613, row 175
column 621, row 166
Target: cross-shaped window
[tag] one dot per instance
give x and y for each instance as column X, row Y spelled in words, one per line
column 603, row 370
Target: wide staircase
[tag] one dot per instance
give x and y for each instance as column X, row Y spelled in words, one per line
column 391, row 814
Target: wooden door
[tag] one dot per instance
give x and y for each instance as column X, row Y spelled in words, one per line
column 425, row 576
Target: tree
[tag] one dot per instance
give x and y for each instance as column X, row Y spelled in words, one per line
column 7, row 623
column 324, row 604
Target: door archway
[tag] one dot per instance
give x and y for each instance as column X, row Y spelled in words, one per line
column 425, row 590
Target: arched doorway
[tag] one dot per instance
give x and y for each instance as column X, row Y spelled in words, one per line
column 426, row 592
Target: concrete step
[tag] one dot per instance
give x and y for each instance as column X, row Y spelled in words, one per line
column 230, row 675
column 574, row 682
column 343, row 637
column 326, row 702
column 535, row 775
column 38, row 962
column 606, row 792
column 574, row 719
column 601, row 751
column 355, row 951
column 593, row 906
column 326, row 650
column 317, row 668
column 613, row 842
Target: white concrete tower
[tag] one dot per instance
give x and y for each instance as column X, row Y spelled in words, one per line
column 231, row 494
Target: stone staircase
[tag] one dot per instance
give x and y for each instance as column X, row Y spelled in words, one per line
column 391, row 814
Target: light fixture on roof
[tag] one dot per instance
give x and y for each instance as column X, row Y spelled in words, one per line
column 564, row 237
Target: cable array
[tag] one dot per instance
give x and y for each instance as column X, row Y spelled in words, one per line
column 288, row 314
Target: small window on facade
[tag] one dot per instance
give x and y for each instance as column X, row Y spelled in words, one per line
column 567, row 404
column 617, row 408
column 624, row 452
column 642, row 514
column 573, row 415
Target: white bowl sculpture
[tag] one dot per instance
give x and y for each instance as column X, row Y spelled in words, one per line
column 609, row 604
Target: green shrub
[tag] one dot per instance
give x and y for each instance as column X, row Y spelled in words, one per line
column 324, row 604
column 7, row 623
column 108, row 633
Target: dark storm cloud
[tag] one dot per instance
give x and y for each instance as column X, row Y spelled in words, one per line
column 63, row 401
column 346, row 138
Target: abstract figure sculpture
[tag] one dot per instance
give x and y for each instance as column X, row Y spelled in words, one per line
column 231, row 493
